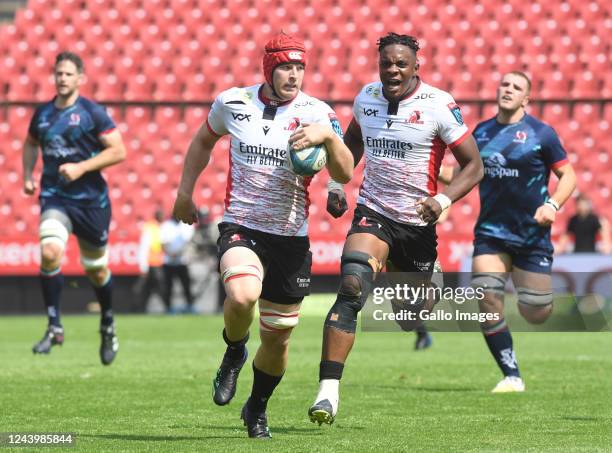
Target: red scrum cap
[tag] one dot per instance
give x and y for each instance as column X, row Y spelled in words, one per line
column 282, row 49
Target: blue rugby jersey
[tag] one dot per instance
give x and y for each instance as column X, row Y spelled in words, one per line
column 71, row 135
column 517, row 158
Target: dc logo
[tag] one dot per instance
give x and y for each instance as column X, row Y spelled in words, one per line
column 295, row 55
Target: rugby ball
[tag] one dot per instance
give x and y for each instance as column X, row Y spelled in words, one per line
column 308, row 161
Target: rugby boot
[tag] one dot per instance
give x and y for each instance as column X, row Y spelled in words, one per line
column 224, row 384
column 109, row 345
column 256, row 423
column 54, row 335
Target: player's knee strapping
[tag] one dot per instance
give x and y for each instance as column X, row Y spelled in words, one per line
column 490, row 281
column 53, row 231
column 534, row 298
column 277, row 321
column 92, row 264
column 357, row 279
column 242, row 270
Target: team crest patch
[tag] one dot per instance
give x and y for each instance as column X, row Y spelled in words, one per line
column 75, row 119
column 235, row 237
column 415, row 118
column 293, row 125
column 520, row 137
column 456, row 111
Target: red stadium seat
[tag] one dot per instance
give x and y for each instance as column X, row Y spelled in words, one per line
column 557, row 86
column 168, row 88
column 139, row 88
column 197, row 88
column 108, row 88
column 194, row 117
column 586, row 114
column 586, row 85
column 555, row 113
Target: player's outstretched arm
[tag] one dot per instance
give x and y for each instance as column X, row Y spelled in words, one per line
column 28, row 159
column 113, row 153
column 470, row 174
column 196, row 160
column 354, row 140
column 545, row 214
column 336, row 198
column 447, row 172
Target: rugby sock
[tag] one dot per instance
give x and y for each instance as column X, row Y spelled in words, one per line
column 330, row 373
column 329, row 369
column 52, row 284
column 263, row 386
column 421, row 330
column 235, row 349
column 104, row 294
column 499, row 341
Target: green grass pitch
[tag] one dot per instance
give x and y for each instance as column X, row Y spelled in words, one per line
column 156, row 396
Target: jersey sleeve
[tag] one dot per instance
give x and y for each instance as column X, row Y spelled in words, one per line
column 553, row 153
column 32, row 128
column 103, row 123
column 356, row 109
column 451, row 128
column 216, row 118
column 329, row 117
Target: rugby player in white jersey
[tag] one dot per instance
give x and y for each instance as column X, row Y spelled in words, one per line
column 263, row 244
column 404, row 126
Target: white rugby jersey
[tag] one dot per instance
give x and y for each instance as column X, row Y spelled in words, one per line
column 404, row 144
column 263, row 192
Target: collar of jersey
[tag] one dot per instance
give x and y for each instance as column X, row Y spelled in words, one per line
column 65, row 108
column 508, row 125
column 272, row 102
column 407, row 96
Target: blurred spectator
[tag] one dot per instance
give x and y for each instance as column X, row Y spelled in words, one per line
column 175, row 238
column 204, row 262
column 583, row 227
column 150, row 260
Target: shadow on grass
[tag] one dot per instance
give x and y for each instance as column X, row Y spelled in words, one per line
column 151, row 438
column 313, row 430
column 305, row 431
column 447, row 389
column 581, row 419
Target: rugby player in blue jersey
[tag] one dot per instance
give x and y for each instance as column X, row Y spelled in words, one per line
column 512, row 234
column 77, row 139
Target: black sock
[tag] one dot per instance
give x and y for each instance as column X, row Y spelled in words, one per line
column 421, row 330
column 499, row 340
column 104, row 294
column 52, row 284
column 330, row 370
column 263, row 386
column 235, row 349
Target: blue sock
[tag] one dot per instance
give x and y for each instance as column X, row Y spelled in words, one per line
column 104, row 294
column 499, row 341
column 52, row 283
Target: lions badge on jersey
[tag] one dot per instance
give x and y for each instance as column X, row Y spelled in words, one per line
column 456, row 111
